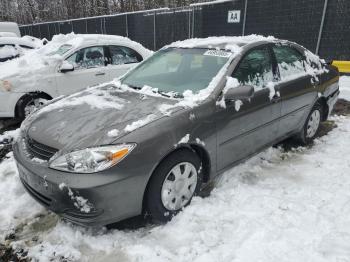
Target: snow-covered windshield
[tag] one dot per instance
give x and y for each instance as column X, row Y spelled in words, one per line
column 61, row 50
column 178, row 69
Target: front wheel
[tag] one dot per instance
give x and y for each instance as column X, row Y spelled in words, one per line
column 29, row 104
column 175, row 181
column 312, row 125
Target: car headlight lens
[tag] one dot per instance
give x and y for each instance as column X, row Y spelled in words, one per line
column 92, row 160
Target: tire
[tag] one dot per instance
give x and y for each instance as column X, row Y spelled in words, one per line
column 311, row 128
column 27, row 100
column 164, row 187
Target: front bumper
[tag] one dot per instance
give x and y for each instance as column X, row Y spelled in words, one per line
column 85, row 199
column 8, row 101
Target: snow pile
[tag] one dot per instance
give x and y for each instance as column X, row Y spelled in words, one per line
column 8, row 51
column 15, row 204
column 9, row 136
column 231, row 42
column 113, row 133
column 140, row 123
column 344, row 86
column 294, row 203
column 94, row 97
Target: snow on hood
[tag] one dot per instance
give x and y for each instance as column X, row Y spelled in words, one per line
column 86, row 118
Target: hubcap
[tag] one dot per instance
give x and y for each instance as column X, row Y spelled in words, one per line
column 33, row 105
column 313, row 123
column 179, row 186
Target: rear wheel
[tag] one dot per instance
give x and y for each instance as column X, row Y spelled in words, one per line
column 312, row 125
column 175, row 181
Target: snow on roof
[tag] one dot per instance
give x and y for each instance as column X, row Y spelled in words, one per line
column 15, row 41
column 78, row 39
column 222, row 42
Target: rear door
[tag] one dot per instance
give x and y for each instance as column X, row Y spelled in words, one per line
column 89, row 69
column 296, row 87
column 120, row 60
column 245, row 127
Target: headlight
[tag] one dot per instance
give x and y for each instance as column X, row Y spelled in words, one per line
column 5, row 85
column 92, row 160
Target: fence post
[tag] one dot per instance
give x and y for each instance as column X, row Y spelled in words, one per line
column 321, row 26
column 126, row 26
column 154, row 31
column 193, row 22
column 189, row 24
column 245, row 17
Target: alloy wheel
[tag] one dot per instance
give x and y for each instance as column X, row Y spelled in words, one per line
column 313, row 123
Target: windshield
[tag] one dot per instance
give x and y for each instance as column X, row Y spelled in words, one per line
column 178, row 69
column 61, row 50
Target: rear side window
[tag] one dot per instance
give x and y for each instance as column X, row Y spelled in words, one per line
column 255, row 68
column 88, row 58
column 290, row 61
column 121, row 55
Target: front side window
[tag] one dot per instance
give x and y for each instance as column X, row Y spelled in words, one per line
column 121, row 55
column 290, row 61
column 88, row 58
column 255, row 69
column 178, row 69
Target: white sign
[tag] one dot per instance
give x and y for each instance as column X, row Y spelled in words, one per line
column 219, row 53
column 234, row 16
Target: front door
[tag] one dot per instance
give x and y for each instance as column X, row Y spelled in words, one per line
column 244, row 127
column 89, row 70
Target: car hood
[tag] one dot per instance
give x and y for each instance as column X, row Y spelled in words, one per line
column 96, row 116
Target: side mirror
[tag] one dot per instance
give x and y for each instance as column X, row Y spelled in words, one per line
column 66, row 67
column 240, row 92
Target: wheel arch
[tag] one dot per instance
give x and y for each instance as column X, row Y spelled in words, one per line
column 323, row 102
column 199, row 150
column 30, row 94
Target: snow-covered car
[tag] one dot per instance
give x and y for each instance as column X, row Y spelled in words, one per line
column 12, row 47
column 65, row 65
column 150, row 141
column 9, row 29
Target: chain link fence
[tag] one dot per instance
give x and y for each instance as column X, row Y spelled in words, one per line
column 323, row 26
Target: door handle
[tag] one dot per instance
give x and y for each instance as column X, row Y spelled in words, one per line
column 315, row 80
column 100, row 74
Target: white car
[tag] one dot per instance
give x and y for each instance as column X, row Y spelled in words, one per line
column 67, row 64
column 9, row 29
column 13, row 46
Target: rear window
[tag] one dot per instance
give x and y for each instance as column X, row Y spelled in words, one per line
column 123, row 55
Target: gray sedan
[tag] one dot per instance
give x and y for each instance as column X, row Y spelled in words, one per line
column 149, row 142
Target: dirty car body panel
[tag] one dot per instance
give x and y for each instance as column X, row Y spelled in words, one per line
column 222, row 136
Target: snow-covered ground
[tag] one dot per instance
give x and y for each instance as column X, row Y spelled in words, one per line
column 278, row 206
column 344, row 84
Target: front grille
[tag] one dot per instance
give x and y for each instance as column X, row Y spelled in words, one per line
column 36, row 195
column 39, row 150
